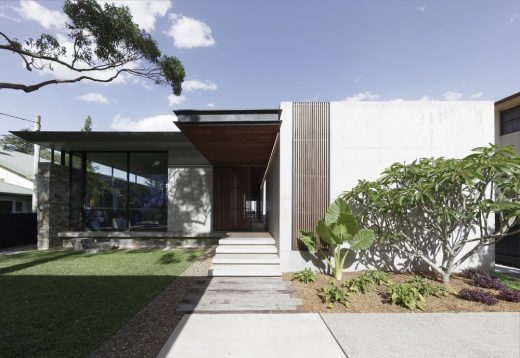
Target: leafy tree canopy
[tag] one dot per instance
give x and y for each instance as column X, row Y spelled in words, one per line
column 105, row 40
column 441, row 211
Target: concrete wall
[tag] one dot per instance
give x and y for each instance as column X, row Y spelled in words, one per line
column 367, row 137
column 272, row 186
column 53, row 204
column 190, row 192
column 14, row 178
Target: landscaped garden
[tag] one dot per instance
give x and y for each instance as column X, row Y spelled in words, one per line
column 426, row 220
column 64, row 303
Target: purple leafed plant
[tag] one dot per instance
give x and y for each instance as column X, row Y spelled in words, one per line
column 479, row 278
column 509, row 295
column 478, row 296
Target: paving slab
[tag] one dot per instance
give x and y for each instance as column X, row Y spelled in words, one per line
column 251, row 335
column 453, row 335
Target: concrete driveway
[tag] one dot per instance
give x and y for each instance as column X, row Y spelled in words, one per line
column 352, row 335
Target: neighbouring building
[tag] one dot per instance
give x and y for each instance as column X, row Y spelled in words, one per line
column 241, row 170
column 16, row 182
column 507, row 132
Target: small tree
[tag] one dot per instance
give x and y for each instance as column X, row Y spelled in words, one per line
column 105, row 40
column 341, row 232
column 436, row 209
column 87, row 125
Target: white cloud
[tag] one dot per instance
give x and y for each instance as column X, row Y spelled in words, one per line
column 194, row 85
column 145, row 13
column 362, row 96
column 452, row 96
column 93, row 97
column 3, row 15
column 189, row 33
column 174, row 100
column 513, row 19
column 31, row 10
column 358, row 78
column 211, row 105
column 160, row 123
column 425, row 98
column 475, row 95
column 421, row 8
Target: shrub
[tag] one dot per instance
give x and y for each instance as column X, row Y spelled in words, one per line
column 509, row 295
column 456, row 200
column 380, row 277
column 306, row 275
column 510, row 282
column 360, row 284
column 337, row 228
column 428, row 288
column 334, row 294
column 471, row 272
column 480, row 278
column 406, row 295
column 477, row 296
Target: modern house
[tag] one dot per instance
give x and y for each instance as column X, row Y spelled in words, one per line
column 507, row 125
column 16, row 182
column 273, row 170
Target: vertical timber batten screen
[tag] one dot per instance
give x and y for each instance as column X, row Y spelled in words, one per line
column 311, row 159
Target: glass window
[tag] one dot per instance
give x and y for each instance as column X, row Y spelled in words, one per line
column 148, row 191
column 105, row 205
column 19, row 206
column 510, row 120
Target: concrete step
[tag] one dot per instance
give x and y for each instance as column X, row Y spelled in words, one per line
column 245, row 270
column 246, row 241
column 246, row 249
column 246, row 259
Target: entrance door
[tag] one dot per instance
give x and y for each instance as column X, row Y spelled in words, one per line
column 234, row 198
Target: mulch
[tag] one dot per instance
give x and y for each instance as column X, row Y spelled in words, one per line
column 376, row 301
column 145, row 333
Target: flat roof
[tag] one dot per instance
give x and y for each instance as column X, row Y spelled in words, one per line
column 216, row 116
column 508, row 98
column 107, row 141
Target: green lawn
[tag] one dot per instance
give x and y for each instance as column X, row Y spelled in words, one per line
column 64, row 303
column 511, row 282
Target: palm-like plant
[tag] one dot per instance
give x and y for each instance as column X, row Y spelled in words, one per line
column 341, row 232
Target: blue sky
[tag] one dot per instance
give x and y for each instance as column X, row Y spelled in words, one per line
column 255, row 54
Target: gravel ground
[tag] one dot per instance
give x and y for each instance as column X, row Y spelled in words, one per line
column 146, row 332
column 375, row 301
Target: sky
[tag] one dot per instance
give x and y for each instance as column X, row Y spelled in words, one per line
column 256, row 54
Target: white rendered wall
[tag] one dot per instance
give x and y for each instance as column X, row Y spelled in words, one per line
column 15, row 179
column 272, row 195
column 190, row 192
column 367, row 137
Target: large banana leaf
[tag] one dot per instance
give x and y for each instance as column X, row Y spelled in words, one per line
column 340, row 233
column 324, row 232
column 350, row 222
column 362, row 240
column 338, row 207
column 308, row 240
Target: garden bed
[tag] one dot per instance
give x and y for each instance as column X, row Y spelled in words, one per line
column 375, row 299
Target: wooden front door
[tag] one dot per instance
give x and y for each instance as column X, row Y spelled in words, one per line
column 232, row 188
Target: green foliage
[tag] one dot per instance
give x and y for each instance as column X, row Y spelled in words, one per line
column 367, row 279
column 433, row 206
column 428, row 288
column 510, row 282
column 338, row 228
column 334, row 294
column 87, row 125
column 406, row 295
column 306, row 275
column 106, row 39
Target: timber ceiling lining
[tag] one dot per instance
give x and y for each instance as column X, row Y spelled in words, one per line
column 233, row 144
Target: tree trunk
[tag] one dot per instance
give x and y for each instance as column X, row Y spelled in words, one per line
column 445, row 279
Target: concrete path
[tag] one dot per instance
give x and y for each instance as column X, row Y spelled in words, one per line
column 453, row 335
column 240, row 294
column 352, row 335
column 251, row 335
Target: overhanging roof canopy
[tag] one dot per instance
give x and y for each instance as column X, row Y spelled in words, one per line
column 107, row 141
column 232, row 137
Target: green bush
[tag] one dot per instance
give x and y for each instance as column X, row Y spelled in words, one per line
column 306, row 275
column 334, row 294
column 406, row 295
column 510, row 282
column 379, row 277
column 368, row 279
column 428, row 288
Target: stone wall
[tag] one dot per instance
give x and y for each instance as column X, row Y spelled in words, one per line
column 53, row 204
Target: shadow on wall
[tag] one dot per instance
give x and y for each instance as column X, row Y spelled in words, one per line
column 189, row 199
